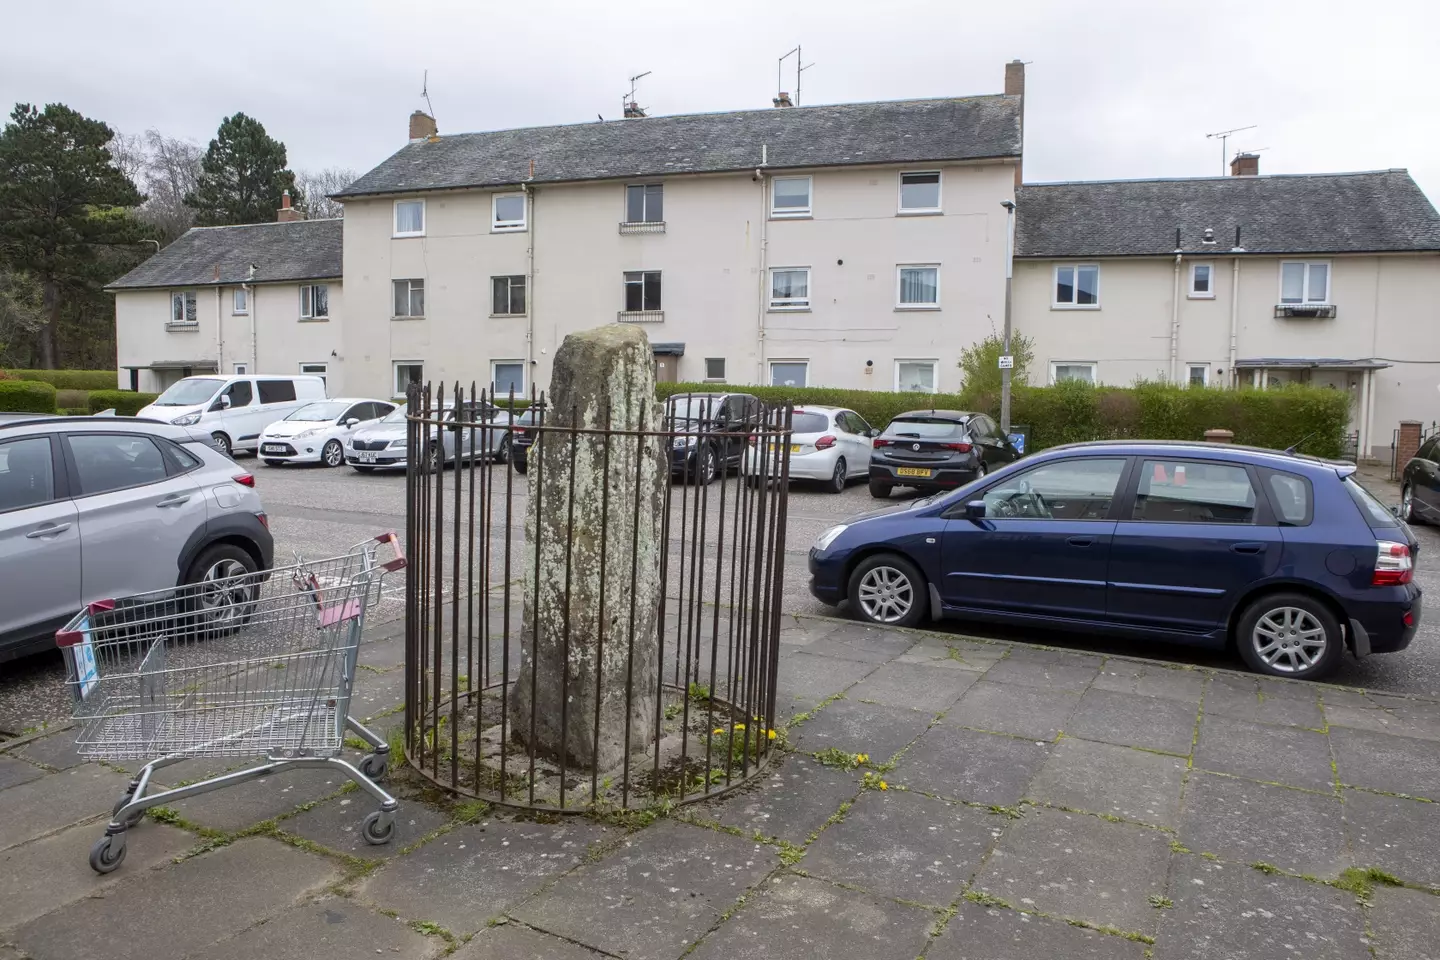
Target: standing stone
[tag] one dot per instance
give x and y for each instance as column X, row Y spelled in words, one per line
column 608, row 369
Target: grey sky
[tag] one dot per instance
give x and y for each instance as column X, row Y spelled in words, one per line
column 1116, row 88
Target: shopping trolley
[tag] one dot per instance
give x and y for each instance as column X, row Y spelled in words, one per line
column 261, row 664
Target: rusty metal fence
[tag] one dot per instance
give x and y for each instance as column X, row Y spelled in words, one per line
column 696, row 687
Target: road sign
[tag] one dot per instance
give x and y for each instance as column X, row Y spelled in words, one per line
column 1007, row 362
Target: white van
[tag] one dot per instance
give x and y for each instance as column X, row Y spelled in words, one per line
column 234, row 409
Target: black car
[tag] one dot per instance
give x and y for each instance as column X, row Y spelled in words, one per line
column 937, row 450
column 712, row 429
column 521, row 439
column 1420, row 485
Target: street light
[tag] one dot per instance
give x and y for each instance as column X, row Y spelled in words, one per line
column 156, row 242
column 1009, row 206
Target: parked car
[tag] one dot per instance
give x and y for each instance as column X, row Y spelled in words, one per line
column 937, row 450
column 1287, row 558
column 93, row 510
column 828, row 444
column 233, row 410
column 522, row 439
column 316, row 432
column 713, row 430
column 1420, row 484
column 383, row 444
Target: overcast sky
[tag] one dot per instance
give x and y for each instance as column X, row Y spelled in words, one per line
column 1116, row 88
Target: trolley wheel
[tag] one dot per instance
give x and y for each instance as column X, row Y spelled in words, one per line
column 108, row 853
column 377, row 828
column 131, row 820
column 374, row 765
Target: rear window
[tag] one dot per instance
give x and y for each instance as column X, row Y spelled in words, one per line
column 809, row 422
column 1376, row 512
column 925, row 429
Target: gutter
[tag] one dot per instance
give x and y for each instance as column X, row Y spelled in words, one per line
column 529, row 192
column 1175, row 322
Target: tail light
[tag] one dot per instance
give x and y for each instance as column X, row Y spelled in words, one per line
column 264, row 520
column 882, row 442
column 825, row 442
column 1393, row 565
column 519, row 431
column 958, row 447
column 750, row 440
column 244, row 479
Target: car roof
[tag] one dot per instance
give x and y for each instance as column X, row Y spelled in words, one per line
column 158, row 428
column 957, row 415
column 1205, row 450
column 351, row 400
column 821, row 408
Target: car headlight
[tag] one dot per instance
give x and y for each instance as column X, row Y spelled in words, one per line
column 190, row 419
column 682, row 442
column 304, row 434
column 397, row 444
column 823, row 541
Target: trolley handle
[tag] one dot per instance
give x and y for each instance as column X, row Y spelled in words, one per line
column 398, row 562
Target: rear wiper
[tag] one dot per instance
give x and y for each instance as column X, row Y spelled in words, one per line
column 915, row 435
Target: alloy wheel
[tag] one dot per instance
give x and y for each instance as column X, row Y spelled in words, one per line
column 886, row 594
column 333, row 454
column 225, row 590
column 1407, row 504
column 1289, row 639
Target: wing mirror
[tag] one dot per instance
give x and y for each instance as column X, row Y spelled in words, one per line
column 975, row 510
column 350, row 423
column 224, row 403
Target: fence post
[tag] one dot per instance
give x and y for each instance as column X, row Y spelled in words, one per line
column 1407, row 443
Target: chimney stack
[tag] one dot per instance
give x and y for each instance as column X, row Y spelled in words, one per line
column 1015, row 87
column 286, row 213
column 1245, row 165
column 633, row 110
column 783, row 100
column 422, row 126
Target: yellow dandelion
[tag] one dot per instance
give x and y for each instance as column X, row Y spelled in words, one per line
column 718, row 730
column 739, row 726
column 884, row 785
column 771, row 734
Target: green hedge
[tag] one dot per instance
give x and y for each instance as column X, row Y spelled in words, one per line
column 26, row 396
column 126, row 403
column 1071, row 412
column 71, row 379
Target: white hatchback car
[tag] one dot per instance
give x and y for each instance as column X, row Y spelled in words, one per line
column 828, row 444
column 317, row 432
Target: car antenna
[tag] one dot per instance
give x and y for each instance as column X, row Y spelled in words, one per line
column 1290, row 450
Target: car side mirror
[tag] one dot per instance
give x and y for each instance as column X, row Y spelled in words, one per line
column 1399, row 510
column 350, row 423
column 872, row 433
column 975, row 510
column 224, row 403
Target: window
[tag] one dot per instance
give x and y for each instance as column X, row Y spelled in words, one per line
column 276, row 391
column 507, row 375
column 1198, row 374
column 1202, row 281
column 1375, row 512
column 1428, row 449
column 919, row 286
column 1066, row 370
column 915, row 376
column 406, row 373
column 1077, row 286
column 315, row 302
column 240, row 304
column 790, row 288
column 790, row 197
column 27, row 473
column 240, row 394
column 920, row 192
column 507, row 296
column 1304, row 282
column 645, row 203
column 642, row 291
column 107, row 461
column 181, row 460
column 409, row 298
column 508, row 212
column 182, row 308
column 409, row 218
column 789, row 373
column 316, row 369
column 1067, row 490
column 714, row 368
column 1291, row 496
column 1173, row 491
column 241, row 369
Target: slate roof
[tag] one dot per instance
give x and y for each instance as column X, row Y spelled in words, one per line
column 901, row 131
column 296, row 250
column 1368, row 212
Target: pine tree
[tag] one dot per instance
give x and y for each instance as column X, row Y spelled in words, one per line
column 242, row 176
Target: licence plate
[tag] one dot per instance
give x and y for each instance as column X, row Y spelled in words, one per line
column 795, row 448
column 911, row 472
column 272, row 448
column 366, row 456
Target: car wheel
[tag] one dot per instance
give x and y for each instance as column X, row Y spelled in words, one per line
column 502, row 452
column 980, row 470
column 435, row 458
column 707, row 467
column 880, row 490
column 836, row 484
column 888, row 589
column 222, row 589
column 1290, row 635
column 222, row 443
column 332, row 454
column 274, row 463
column 1407, row 505
column 520, row 465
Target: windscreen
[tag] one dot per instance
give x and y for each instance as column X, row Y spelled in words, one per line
column 395, row 416
column 188, row 392
column 328, row 410
column 809, row 423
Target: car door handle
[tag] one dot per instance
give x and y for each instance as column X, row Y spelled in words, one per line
column 1247, row 547
column 174, row 500
column 1080, row 541
column 51, row 530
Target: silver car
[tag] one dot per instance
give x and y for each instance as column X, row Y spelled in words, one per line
column 383, row 444
column 104, row 508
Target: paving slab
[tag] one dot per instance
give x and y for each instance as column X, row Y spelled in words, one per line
column 1118, row 781
column 1248, row 822
column 802, row 631
column 853, row 641
column 56, row 751
column 654, row 896
column 905, row 846
column 238, row 807
column 1147, row 680
column 1405, row 924
column 376, row 692
column 58, row 800
column 1079, row 867
column 1397, row 835
column 1373, row 718
column 383, row 653
column 794, row 917
column 1352, row 697
column 997, row 933
column 145, row 917
column 954, row 654
column 14, row 772
column 805, row 680
column 335, row 825
column 1046, row 670
column 513, row 941
column 331, row 928
column 1224, row 910
column 791, row 802
column 1130, row 721
column 1382, row 762
column 38, row 877
column 1010, row 708
column 913, row 686
column 961, row 764
column 1246, row 698
column 473, row 873
column 855, row 727
column 1289, row 755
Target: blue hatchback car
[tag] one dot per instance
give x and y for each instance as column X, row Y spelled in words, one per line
column 1287, row 559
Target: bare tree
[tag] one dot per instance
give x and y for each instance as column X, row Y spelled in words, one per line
column 22, row 315
column 171, row 168
column 127, row 152
column 316, row 187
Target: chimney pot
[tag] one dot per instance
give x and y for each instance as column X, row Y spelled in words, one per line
column 633, row 110
column 1245, row 165
column 422, row 125
column 286, row 213
column 783, row 100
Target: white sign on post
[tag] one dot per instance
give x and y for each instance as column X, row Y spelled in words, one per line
column 1007, row 362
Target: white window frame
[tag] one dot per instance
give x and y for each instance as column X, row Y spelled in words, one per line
column 1191, row 368
column 395, row 220
column 309, row 369
column 790, row 304
column 1056, row 304
column 242, row 369
column 509, row 226
column 900, row 268
column 237, row 309
column 307, row 301
column 1305, row 299
column 905, row 211
column 510, row 293
column 643, row 186
column 494, row 389
column 793, row 213
column 802, row 361
column 640, row 275
column 186, row 297
column 409, row 298
column 1193, row 293
column 935, row 371
column 1094, row 369
column 723, row 370
column 395, row 366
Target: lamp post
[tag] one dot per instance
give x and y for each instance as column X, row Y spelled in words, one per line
column 1009, row 206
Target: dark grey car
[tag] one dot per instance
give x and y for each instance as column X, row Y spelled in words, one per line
column 937, row 450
